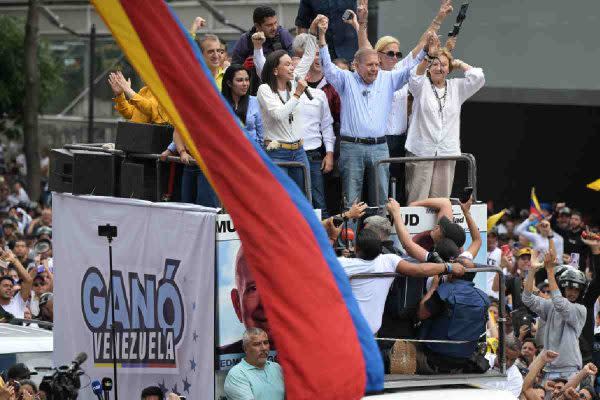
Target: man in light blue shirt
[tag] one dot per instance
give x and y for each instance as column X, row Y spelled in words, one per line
column 255, row 378
column 366, row 96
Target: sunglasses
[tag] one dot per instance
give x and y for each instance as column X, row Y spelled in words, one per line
column 392, row 54
column 37, row 284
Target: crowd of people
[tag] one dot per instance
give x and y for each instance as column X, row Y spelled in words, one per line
column 328, row 99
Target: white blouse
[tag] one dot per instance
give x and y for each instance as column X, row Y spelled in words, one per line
column 435, row 133
column 275, row 113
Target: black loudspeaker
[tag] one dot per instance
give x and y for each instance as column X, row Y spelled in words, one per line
column 132, row 180
column 61, row 171
column 95, row 173
column 143, row 138
column 140, row 179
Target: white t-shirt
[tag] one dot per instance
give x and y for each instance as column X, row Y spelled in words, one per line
column 16, row 306
column 493, row 259
column 371, row 293
column 513, row 382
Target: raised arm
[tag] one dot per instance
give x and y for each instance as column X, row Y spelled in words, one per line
column 413, row 249
column 258, row 39
column 523, row 230
column 545, row 357
column 434, row 26
column 26, row 279
column 359, row 23
column 332, row 73
column 473, row 228
column 574, row 314
column 309, row 55
column 588, row 370
column 442, row 205
column 473, row 81
column 536, row 304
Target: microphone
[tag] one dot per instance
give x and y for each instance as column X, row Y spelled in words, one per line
column 79, row 359
column 97, row 389
column 365, row 93
column 107, row 387
column 306, row 92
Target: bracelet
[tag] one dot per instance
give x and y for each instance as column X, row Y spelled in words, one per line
column 449, row 268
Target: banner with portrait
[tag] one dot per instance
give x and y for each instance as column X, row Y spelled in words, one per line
column 163, row 279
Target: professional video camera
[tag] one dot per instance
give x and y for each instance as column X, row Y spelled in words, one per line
column 64, row 383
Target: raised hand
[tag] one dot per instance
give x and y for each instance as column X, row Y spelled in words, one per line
column 114, row 84
column 549, row 259
column 433, row 44
column 445, row 8
column 317, row 23
column 362, row 11
column 352, row 21
column 451, row 43
column 548, row 356
column 357, row 210
column 198, row 23
column 590, row 369
column 258, row 39
column 393, row 207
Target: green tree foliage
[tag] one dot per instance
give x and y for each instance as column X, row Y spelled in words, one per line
column 12, row 83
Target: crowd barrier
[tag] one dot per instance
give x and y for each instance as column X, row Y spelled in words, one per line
column 466, row 157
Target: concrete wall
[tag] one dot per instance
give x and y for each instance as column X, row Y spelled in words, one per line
column 542, row 51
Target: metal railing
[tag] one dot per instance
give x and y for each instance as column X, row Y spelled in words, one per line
column 478, row 268
column 140, row 156
column 466, row 157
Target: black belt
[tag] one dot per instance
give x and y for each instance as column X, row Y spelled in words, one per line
column 352, row 139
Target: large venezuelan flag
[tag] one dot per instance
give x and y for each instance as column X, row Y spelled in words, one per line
column 326, row 348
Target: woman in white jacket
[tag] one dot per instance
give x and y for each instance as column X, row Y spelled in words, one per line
column 435, row 123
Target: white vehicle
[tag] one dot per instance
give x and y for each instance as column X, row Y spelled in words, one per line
column 29, row 345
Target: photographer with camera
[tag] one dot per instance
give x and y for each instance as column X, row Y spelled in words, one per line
column 562, row 316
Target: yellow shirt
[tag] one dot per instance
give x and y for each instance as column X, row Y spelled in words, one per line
column 143, row 108
column 219, row 77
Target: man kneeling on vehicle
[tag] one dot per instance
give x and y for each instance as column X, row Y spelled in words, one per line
column 453, row 310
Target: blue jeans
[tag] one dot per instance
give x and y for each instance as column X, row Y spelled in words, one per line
column 318, row 188
column 355, row 159
column 297, row 174
column 196, row 189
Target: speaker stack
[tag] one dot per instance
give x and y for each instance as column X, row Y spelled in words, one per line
column 125, row 173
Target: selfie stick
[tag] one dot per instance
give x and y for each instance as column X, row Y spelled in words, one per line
column 110, row 232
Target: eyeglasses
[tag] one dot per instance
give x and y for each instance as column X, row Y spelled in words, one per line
column 392, row 54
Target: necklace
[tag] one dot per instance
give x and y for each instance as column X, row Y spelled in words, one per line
column 291, row 116
column 440, row 100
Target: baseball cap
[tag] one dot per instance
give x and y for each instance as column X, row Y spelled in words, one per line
column 43, row 230
column 564, row 211
column 9, row 222
column 19, row 371
column 524, row 251
column 452, row 231
column 446, row 249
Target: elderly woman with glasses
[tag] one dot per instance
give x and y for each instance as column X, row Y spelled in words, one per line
column 435, row 121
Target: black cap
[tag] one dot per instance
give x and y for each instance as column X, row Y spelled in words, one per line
column 19, row 371
column 452, row 231
column 447, row 249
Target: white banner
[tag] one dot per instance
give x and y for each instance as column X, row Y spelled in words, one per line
column 163, row 278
